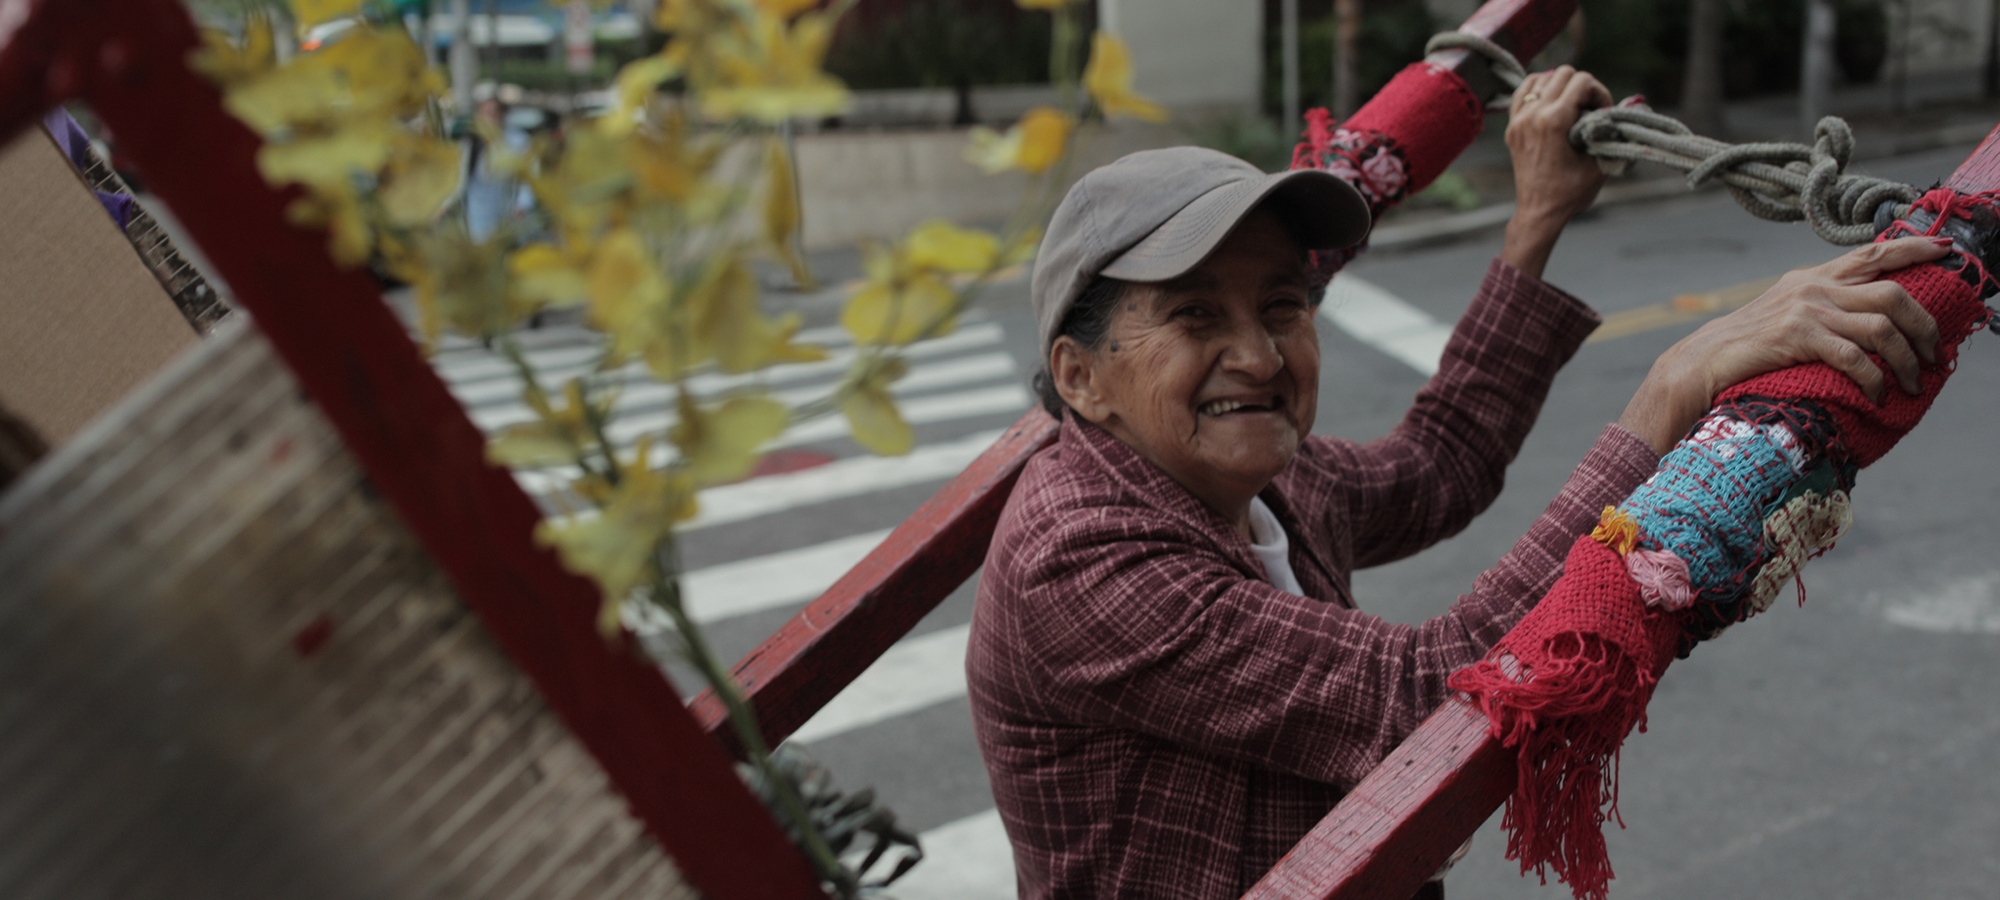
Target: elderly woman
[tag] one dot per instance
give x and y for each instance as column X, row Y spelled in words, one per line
column 1170, row 678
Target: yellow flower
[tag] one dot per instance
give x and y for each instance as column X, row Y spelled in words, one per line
column 725, row 324
column 1032, row 145
column 586, row 186
column 770, row 72
column 618, row 547
column 899, row 303
column 786, row 8
column 328, row 159
column 312, row 12
column 720, row 445
column 1108, row 77
column 667, row 165
column 542, row 275
column 420, row 176
column 302, row 91
column 1023, row 247
column 627, row 292
column 225, row 63
column 781, row 212
column 871, row 412
column 636, row 84
column 556, row 437
column 938, row 244
column 463, row 285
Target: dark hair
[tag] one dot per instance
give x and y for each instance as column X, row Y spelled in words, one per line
column 1088, row 322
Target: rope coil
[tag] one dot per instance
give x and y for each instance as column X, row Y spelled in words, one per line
column 1779, row 181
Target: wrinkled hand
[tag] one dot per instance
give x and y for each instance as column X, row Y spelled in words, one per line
column 1552, row 178
column 1553, row 181
column 1836, row 313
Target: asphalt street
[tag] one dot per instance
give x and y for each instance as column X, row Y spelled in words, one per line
column 1842, row 749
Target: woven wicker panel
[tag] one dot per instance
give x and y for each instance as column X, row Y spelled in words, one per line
column 226, row 670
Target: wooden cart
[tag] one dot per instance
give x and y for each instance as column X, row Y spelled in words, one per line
column 274, row 628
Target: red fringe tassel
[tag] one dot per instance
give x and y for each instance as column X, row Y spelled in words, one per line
column 1564, row 689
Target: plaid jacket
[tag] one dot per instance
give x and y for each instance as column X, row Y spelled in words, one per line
column 1158, row 720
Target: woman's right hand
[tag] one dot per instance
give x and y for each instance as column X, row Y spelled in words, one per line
column 1836, row 313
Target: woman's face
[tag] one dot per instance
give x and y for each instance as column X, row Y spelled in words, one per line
column 1214, row 376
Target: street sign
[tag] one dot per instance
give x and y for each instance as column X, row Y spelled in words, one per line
column 579, row 47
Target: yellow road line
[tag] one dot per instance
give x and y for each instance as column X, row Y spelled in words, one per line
column 1683, row 308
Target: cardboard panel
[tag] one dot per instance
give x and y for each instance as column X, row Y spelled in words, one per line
column 82, row 321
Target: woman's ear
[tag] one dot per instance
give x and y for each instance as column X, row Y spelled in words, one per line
column 1075, row 378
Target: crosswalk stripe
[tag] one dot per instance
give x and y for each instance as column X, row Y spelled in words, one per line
column 835, row 480
column 770, row 581
column 627, row 427
column 969, row 859
column 915, row 673
column 1385, row 321
column 488, row 383
column 1006, row 398
column 919, row 411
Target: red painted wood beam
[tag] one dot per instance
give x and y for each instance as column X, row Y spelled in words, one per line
column 126, row 59
column 1401, row 822
column 1522, row 27
column 828, row 644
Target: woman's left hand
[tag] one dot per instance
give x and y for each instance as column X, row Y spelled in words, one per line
column 1553, row 181
column 1837, row 313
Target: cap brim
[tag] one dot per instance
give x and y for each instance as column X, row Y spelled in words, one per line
column 1322, row 211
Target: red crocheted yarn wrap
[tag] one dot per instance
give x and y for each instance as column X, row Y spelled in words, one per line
column 1587, row 658
column 1868, row 430
column 1394, row 146
column 1589, row 654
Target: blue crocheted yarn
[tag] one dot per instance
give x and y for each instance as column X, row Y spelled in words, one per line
column 1707, row 502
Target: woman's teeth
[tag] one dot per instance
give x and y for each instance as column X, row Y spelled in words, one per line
column 1219, row 407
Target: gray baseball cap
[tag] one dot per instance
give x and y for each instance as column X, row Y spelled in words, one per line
column 1156, row 214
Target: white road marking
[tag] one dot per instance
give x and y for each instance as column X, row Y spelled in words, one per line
column 491, row 392
column 917, row 411
column 969, row 859
column 1006, row 398
column 766, row 582
column 915, row 673
column 1386, row 322
column 1962, row 606
column 844, row 478
column 626, row 428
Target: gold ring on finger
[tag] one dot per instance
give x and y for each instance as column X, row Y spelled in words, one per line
column 1532, row 97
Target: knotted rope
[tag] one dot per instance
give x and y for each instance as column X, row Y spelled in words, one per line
column 1780, row 181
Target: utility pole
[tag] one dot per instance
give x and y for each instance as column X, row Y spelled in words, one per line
column 1288, row 37
column 1816, row 65
column 464, row 65
column 1346, row 61
column 1701, row 92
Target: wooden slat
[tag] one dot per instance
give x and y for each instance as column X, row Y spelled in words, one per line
column 126, row 58
column 1981, row 170
column 1405, row 819
column 232, row 673
column 828, row 644
column 1432, row 793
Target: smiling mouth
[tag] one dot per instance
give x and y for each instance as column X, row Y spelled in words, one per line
column 1225, row 407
